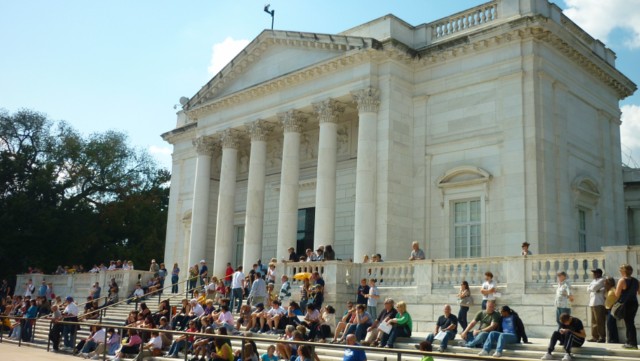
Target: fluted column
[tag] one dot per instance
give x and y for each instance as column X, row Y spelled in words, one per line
column 200, row 207
column 328, row 112
column 226, row 202
column 364, row 241
column 292, row 122
column 258, row 131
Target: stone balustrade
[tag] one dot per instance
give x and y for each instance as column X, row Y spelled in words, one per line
column 525, row 283
column 467, row 19
column 78, row 285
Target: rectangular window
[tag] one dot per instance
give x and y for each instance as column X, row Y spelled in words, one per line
column 467, row 218
column 582, row 230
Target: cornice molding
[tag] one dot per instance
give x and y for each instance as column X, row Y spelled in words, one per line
column 521, row 29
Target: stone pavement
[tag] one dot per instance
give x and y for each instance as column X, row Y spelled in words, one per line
column 11, row 352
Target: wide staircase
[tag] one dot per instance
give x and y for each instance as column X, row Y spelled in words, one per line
column 115, row 315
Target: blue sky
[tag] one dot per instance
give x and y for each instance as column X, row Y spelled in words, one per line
column 124, row 64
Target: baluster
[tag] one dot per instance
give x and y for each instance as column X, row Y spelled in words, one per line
column 536, row 271
column 404, row 275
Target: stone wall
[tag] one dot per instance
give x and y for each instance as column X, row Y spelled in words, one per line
column 78, row 285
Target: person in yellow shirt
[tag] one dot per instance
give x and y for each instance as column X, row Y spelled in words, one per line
column 610, row 300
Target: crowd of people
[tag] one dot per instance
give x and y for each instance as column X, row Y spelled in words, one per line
column 248, row 303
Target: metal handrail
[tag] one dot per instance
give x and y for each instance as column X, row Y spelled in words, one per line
column 396, row 351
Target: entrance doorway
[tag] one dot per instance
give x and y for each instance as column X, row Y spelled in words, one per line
column 306, row 224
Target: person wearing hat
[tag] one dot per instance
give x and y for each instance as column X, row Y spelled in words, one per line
column 204, row 272
column 525, row 249
column 154, row 267
column 596, row 304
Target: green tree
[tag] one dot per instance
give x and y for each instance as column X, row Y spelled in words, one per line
column 69, row 199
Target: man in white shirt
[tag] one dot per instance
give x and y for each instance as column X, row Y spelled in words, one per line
column 237, row 288
column 488, row 289
column 272, row 317
column 596, row 304
column 151, row 348
column 29, row 288
column 92, row 342
column 137, row 295
column 70, row 314
column 196, row 309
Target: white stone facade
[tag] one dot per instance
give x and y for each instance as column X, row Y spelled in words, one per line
column 470, row 134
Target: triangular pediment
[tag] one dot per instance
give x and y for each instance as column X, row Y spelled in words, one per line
column 271, row 55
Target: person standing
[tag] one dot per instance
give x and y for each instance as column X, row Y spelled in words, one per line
column 465, row 301
column 596, row 304
column 237, row 289
column 204, row 272
column 175, row 276
column 525, row 249
column 488, row 289
column 609, row 300
column 228, row 274
column 372, row 298
column 70, row 314
column 362, row 292
column 56, row 328
column 193, row 277
column 258, row 293
column 627, row 292
column 154, row 267
column 563, row 297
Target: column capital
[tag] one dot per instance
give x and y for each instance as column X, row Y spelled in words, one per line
column 328, row 110
column 204, row 145
column 292, row 120
column 229, row 138
column 368, row 99
column 259, row 129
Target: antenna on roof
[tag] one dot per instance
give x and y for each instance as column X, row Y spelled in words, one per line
column 270, row 12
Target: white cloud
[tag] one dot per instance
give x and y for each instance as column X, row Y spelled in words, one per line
column 599, row 18
column 162, row 155
column 222, row 53
column 630, row 133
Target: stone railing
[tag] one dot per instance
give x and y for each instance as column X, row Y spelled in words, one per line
column 542, row 269
column 467, row 19
column 78, row 285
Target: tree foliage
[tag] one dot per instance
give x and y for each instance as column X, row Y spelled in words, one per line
column 69, row 199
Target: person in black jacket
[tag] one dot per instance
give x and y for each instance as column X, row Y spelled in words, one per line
column 510, row 331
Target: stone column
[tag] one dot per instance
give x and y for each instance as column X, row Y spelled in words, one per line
column 200, row 208
column 328, row 113
column 255, row 194
column 292, row 122
column 364, row 240
column 226, row 203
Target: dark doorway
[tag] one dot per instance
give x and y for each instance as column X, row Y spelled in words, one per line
column 306, row 224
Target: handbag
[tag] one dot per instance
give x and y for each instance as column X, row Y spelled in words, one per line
column 617, row 310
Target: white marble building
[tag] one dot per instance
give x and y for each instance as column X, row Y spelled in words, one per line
column 470, row 134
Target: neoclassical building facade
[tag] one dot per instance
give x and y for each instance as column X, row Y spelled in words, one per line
column 469, row 134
